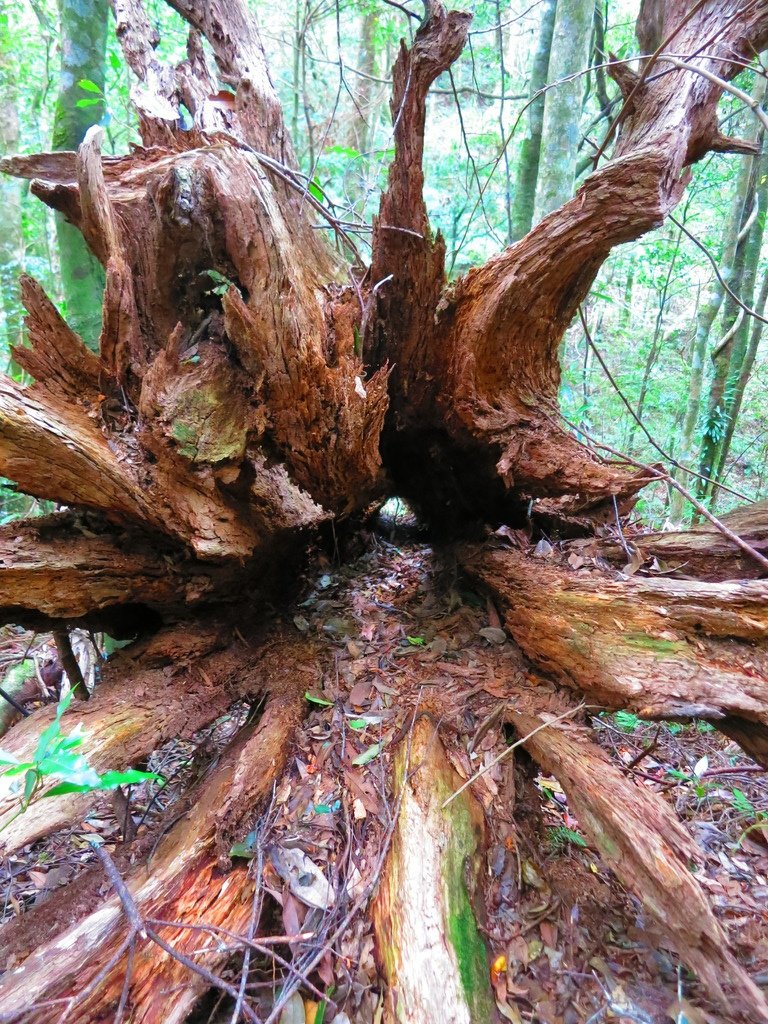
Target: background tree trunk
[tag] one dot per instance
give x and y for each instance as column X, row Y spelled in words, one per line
column 563, row 104
column 530, row 149
column 11, row 242
column 83, row 51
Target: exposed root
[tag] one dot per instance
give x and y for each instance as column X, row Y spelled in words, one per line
column 184, row 880
column 427, row 936
column 642, row 840
column 664, row 648
column 196, row 676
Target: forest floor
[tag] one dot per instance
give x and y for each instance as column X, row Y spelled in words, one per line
column 405, row 634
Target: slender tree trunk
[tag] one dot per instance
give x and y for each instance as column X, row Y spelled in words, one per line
column 11, row 240
column 530, row 150
column 83, row 51
column 656, row 344
column 742, row 371
column 739, row 345
column 716, row 412
column 511, row 236
column 562, row 109
column 363, row 120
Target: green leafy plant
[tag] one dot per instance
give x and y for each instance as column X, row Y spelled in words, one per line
column 56, row 757
column 96, row 94
column 747, row 810
column 561, row 836
column 626, row 721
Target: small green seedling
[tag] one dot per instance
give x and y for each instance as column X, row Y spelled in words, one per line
column 56, row 757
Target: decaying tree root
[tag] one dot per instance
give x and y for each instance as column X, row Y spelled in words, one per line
column 664, row 648
column 702, row 552
column 182, row 681
column 641, row 839
column 182, row 879
column 428, row 940
column 68, row 568
column 249, row 387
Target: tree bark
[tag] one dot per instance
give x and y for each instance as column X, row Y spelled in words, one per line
column 661, row 647
column 428, row 889
column 530, row 149
column 560, row 136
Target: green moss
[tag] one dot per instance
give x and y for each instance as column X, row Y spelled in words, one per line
column 652, row 643
column 468, row 946
column 207, row 425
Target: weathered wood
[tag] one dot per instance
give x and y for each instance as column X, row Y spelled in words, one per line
column 432, row 953
column 231, row 411
column 642, row 840
column 65, row 568
column 664, row 648
column 702, row 552
column 476, row 420
column 184, row 678
column 182, row 880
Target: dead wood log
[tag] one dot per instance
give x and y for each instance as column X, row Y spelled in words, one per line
column 179, row 683
column 702, row 552
column 432, row 953
column 74, row 569
column 663, row 648
column 230, row 410
column 184, row 879
column 651, row 853
column 472, row 418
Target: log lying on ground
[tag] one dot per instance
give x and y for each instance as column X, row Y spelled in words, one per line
column 66, row 567
column 183, row 880
column 642, row 840
column 664, row 648
column 431, row 951
column 702, row 552
column 184, row 680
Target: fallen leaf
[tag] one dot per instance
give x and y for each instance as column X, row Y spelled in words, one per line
column 303, row 877
column 369, row 754
column 493, row 635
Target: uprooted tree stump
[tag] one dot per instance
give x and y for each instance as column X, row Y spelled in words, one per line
column 220, row 429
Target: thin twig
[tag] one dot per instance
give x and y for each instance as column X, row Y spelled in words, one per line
column 662, row 475
column 636, row 418
column 720, row 278
column 508, row 750
column 647, row 68
column 140, row 928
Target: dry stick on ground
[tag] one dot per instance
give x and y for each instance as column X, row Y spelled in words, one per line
column 141, row 928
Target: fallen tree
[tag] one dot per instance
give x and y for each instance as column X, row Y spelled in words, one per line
column 215, row 434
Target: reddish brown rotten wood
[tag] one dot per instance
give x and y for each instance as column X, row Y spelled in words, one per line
column 702, row 552
column 663, row 648
column 477, row 381
column 642, row 840
column 182, row 880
